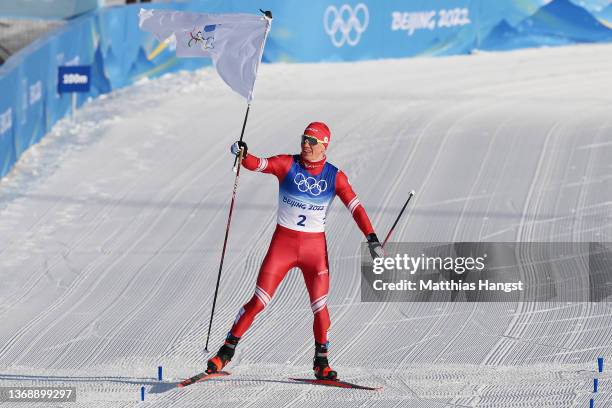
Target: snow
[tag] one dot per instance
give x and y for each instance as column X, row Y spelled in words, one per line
column 111, row 232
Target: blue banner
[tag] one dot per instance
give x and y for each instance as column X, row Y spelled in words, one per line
column 351, row 30
column 107, row 40
column 119, row 53
column 9, row 87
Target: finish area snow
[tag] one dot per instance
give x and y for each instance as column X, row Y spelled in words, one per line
column 111, row 232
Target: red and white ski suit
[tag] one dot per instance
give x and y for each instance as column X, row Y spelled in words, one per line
column 306, row 189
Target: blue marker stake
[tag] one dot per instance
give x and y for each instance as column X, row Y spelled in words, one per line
column 142, row 393
column 592, row 403
column 595, row 384
column 159, row 373
column 600, row 364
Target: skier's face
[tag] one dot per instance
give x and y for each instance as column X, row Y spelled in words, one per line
column 312, row 152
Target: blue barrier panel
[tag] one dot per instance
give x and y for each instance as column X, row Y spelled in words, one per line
column 350, row 30
column 8, row 87
column 30, row 103
column 119, row 53
column 108, row 40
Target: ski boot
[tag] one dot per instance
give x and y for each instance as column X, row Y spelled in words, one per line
column 321, row 367
column 224, row 355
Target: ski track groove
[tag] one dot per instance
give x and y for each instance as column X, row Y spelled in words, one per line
column 75, row 306
column 155, row 287
column 527, row 324
column 77, row 281
column 51, row 208
column 75, row 284
column 525, row 238
column 100, row 215
column 382, row 308
column 473, row 307
column 60, row 257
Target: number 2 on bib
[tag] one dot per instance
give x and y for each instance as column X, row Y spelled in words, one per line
column 302, row 220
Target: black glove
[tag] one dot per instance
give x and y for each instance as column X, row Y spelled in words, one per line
column 376, row 250
column 236, row 148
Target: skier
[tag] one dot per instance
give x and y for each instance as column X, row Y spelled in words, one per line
column 307, row 187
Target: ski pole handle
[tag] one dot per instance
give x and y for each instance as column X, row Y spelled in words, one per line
column 238, row 160
column 235, row 167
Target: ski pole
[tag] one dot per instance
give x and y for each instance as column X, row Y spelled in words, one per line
column 227, row 228
column 398, row 217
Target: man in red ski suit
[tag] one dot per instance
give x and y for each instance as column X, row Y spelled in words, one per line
column 307, row 187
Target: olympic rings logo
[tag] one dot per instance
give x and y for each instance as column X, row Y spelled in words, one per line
column 340, row 23
column 198, row 38
column 310, row 184
column 206, row 43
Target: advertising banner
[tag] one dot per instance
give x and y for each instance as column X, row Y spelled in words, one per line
column 119, row 53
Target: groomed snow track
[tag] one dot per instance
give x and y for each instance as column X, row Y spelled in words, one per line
column 111, row 231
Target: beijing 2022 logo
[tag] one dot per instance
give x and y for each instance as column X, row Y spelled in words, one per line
column 346, row 24
column 310, row 184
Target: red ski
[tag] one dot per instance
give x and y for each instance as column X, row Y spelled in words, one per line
column 335, row 383
column 202, row 377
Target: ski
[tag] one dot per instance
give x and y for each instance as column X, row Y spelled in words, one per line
column 202, row 377
column 335, row 383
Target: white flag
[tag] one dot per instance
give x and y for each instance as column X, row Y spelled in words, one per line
column 235, row 42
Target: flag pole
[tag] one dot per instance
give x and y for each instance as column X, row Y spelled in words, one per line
column 246, row 116
column 227, row 228
column 237, row 165
column 268, row 18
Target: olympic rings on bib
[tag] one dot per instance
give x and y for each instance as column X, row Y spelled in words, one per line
column 310, row 184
